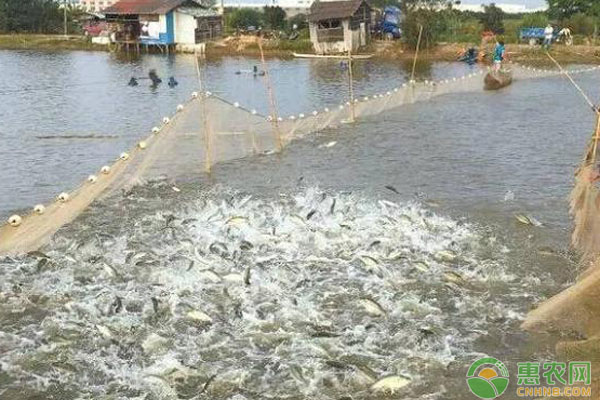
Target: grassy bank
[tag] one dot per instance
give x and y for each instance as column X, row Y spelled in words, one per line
column 47, row 42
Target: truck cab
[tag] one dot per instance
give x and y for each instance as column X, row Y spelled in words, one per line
column 389, row 25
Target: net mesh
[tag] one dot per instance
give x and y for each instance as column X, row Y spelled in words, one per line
column 207, row 130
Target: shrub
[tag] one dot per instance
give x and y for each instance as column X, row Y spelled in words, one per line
column 243, row 18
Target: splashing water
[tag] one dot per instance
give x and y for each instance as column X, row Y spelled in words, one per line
column 309, row 295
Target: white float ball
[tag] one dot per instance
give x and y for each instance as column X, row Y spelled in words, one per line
column 15, row 220
column 39, row 209
column 105, row 170
column 253, row 112
column 63, row 197
column 156, row 129
column 326, row 109
column 124, row 156
column 166, row 120
column 142, row 145
column 92, row 179
column 236, row 104
column 315, row 112
column 194, row 94
column 301, row 116
column 180, row 107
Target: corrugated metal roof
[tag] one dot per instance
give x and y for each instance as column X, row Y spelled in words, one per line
column 143, row 6
column 198, row 11
column 322, row 10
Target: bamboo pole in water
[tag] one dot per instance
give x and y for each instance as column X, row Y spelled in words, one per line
column 351, row 87
column 595, row 139
column 207, row 133
column 272, row 102
column 414, row 66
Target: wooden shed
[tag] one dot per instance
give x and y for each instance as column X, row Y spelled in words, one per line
column 339, row 26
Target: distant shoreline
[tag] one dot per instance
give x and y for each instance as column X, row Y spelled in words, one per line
column 389, row 51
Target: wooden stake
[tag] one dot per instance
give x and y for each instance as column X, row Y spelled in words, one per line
column 595, row 139
column 272, row 102
column 351, row 87
column 414, row 67
column 207, row 133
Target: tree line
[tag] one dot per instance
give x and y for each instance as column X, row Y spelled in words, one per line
column 440, row 20
column 32, row 16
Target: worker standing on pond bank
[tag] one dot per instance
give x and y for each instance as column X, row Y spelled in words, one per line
column 548, row 35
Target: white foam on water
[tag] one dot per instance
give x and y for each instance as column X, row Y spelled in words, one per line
column 165, row 309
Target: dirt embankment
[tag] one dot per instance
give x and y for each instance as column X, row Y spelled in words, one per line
column 248, row 46
column 516, row 52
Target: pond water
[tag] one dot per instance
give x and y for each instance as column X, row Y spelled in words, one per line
column 309, row 274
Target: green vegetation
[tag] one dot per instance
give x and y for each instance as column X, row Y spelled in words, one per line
column 270, row 18
column 492, row 19
column 36, row 16
column 274, row 18
column 242, row 19
column 47, row 42
column 425, row 18
column 564, row 9
column 442, row 23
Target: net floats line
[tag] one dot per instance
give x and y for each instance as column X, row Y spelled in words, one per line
column 28, row 233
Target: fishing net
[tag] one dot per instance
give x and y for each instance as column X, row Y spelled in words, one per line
column 207, row 130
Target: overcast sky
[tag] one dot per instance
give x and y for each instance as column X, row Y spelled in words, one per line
column 528, row 3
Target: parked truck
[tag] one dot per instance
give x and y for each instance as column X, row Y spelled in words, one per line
column 389, row 24
column 535, row 35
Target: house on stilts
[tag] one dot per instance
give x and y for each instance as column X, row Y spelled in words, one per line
column 168, row 25
column 340, row 26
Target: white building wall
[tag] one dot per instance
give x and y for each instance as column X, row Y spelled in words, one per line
column 185, row 27
column 162, row 23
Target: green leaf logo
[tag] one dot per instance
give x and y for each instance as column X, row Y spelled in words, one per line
column 487, row 378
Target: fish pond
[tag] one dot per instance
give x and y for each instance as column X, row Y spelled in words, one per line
column 376, row 260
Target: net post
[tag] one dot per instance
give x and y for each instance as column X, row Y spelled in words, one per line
column 207, row 135
column 596, row 138
column 351, row 87
column 272, row 102
column 414, row 66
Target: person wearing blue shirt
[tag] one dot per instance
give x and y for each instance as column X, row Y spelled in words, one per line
column 499, row 55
